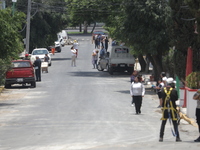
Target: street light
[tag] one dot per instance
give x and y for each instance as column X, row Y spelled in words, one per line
column 13, row 8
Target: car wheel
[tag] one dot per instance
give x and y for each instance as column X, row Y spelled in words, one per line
column 107, row 67
column 110, row 71
column 33, row 84
column 99, row 67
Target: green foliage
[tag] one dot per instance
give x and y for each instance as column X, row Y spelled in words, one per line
column 11, row 40
column 193, row 80
column 4, row 66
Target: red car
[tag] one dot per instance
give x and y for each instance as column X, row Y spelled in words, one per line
column 22, row 72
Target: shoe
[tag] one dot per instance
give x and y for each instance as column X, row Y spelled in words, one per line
column 160, row 139
column 178, row 140
column 197, row 140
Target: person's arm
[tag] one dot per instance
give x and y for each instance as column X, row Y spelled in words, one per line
column 143, row 89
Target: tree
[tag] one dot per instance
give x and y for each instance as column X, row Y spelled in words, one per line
column 10, row 38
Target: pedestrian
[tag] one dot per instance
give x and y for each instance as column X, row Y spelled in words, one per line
column 137, row 91
column 26, row 57
column 37, row 66
column 95, row 58
column 169, row 111
column 46, row 58
column 75, row 45
column 133, row 75
column 197, row 98
column 73, row 54
column 164, row 78
column 96, row 42
column 106, row 43
column 158, row 88
column 102, row 52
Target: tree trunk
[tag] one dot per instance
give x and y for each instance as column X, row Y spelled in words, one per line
column 80, row 28
column 142, row 62
column 85, row 27
column 157, row 66
column 93, row 27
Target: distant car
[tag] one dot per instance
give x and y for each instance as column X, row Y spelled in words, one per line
column 22, row 72
column 40, row 52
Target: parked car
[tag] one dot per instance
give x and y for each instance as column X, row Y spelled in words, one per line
column 117, row 59
column 22, row 72
column 40, row 52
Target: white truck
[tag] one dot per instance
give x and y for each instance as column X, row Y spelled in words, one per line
column 117, row 59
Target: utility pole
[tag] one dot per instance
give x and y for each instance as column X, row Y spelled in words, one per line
column 28, row 26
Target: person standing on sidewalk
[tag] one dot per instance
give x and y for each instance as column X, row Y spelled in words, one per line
column 73, row 53
column 158, row 91
column 137, row 91
column 169, row 111
column 197, row 98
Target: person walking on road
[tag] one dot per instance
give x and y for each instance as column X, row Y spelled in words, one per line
column 95, row 58
column 137, row 91
column 75, row 45
column 73, row 53
column 197, row 98
column 158, row 91
column 106, row 41
column 134, row 74
column 37, row 66
column 169, row 111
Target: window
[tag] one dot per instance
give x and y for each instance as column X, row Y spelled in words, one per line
column 21, row 64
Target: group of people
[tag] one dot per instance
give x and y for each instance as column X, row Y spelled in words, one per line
column 168, row 96
column 101, row 40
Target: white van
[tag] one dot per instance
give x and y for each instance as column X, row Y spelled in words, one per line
column 117, row 59
column 62, row 37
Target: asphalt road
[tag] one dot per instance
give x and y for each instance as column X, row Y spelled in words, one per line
column 80, row 108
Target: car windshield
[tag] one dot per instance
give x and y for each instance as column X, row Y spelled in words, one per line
column 21, row 64
column 40, row 52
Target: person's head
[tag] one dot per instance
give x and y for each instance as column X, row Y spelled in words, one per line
column 138, row 79
column 170, row 82
column 37, row 57
column 135, row 73
column 102, row 47
column 26, row 55
column 46, row 54
column 163, row 74
column 75, row 41
column 72, row 47
column 96, row 51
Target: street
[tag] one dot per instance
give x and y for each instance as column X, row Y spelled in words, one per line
column 80, row 108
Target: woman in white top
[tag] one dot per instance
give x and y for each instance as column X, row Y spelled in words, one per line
column 73, row 52
column 137, row 91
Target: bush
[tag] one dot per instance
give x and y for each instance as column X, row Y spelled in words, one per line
column 193, row 80
column 4, row 66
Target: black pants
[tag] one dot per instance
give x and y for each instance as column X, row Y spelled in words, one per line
column 38, row 74
column 138, row 103
column 162, row 128
column 198, row 117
